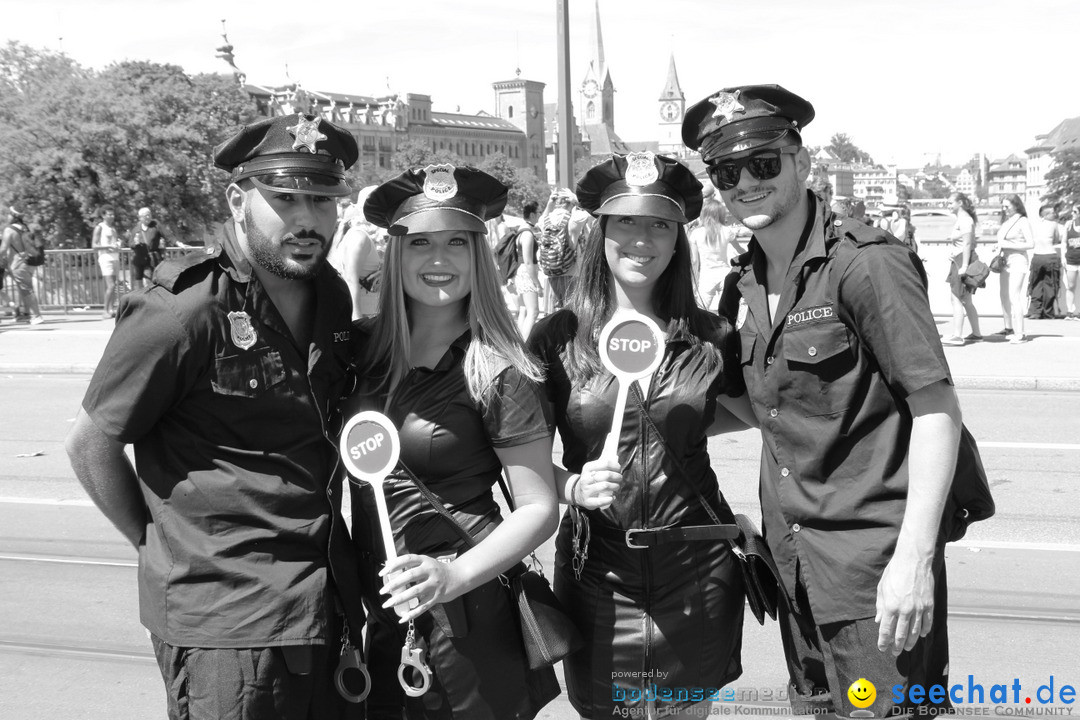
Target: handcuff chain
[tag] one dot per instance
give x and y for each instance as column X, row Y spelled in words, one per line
column 582, row 535
column 410, row 636
column 345, row 643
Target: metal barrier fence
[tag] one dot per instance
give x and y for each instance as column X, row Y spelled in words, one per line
column 72, row 279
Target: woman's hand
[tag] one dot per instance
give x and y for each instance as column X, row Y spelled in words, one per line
column 428, row 580
column 595, row 487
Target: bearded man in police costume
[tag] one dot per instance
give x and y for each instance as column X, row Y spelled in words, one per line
column 224, row 374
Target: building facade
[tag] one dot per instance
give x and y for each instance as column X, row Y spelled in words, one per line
column 1006, row 177
column 381, row 124
column 1040, row 158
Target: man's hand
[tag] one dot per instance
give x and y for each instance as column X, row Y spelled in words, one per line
column 905, row 600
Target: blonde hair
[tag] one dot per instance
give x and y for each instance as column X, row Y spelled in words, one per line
column 495, row 343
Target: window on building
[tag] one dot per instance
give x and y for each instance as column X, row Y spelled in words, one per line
column 510, row 111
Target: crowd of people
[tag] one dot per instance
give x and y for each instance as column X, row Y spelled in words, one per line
column 234, row 371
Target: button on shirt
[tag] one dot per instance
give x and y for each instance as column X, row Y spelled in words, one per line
column 228, row 421
column 834, row 472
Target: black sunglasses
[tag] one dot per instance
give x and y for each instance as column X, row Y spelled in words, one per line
column 764, row 165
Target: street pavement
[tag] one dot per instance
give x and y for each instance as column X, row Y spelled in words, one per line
column 73, row 343
column 1013, row 580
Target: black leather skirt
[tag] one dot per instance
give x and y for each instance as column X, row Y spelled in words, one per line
column 662, row 625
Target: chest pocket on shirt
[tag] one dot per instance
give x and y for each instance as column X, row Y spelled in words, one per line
column 819, row 360
column 249, row 374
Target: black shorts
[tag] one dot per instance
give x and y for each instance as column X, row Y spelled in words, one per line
column 251, row 683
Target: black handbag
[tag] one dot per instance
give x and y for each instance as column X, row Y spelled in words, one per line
column 976, row 273
column 547, row 633
column 997, row 263
column 970, row 499
column 760, row 576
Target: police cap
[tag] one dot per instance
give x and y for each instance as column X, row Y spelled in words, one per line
column 641, row 183
column 434, row 198
column 737, row 119
column 291, row 153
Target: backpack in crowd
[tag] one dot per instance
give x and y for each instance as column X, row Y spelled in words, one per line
column 556, row 254
column 33, row 249
column 508, row 255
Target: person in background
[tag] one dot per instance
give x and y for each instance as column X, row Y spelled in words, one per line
column 13, row 253
column 356, row 258
column 225, row 376
column 1014, row 239
column 527, row 278
column 1047, row 260
column 650, row 601
column 1072, row 264
column 444, row 361
column 147, row 247
column 859, row 419
column 106, row 240
column 710, row 245
column 962, row 253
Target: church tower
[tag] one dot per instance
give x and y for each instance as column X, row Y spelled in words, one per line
column 672, row 108
column 597, row 101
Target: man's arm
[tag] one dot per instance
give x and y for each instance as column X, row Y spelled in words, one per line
column 905, row 594
column 106, row 473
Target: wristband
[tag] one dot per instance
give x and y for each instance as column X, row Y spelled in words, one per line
column 573, row 486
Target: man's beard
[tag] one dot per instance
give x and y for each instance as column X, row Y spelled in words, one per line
column 265, row 252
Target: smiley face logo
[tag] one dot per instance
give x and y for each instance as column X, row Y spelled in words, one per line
column 862, row 693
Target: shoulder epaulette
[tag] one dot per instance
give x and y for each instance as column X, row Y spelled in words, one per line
column 169, row 272
column 863, row 234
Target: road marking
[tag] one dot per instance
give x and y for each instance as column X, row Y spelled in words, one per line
column 68, row 560
column 1029, row 446
column 1002, row 545
column 72, row 502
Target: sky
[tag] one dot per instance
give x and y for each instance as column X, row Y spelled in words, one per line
column 906, row 81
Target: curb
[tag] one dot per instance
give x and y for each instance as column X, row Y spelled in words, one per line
column 1049, row 384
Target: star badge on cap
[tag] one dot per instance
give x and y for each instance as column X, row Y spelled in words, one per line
column 306, row 133
column 727, row 104
column 641, row 169
column 439, row 182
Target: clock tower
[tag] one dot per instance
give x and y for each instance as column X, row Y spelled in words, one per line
column 597, row 100
column 671, row 110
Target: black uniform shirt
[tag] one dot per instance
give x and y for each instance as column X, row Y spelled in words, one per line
column 681, row 401
column 830, row 399
column 448, row 440
column 232, row 450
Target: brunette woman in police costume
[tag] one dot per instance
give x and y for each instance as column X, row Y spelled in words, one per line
column 674, row 610
column 445, row 362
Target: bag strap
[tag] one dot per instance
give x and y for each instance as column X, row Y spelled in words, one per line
column 505, row 576
column 678, row 463
column 437, row 504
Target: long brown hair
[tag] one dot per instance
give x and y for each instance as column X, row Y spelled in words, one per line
column 593, row 302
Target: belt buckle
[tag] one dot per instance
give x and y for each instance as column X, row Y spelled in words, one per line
column 630, row 540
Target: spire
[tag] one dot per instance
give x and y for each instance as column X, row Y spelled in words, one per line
column 599, row 66
column 672, row 89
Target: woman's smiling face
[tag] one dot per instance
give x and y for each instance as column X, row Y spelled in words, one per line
column 436, row 267
column 639, row 248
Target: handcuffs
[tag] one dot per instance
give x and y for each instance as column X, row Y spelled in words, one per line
column 350, row 659
column 413, row 657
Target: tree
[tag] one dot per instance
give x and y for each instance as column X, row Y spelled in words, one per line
column 847, row 151
column 417, row 153
column 1063, row 179
column 136, row 134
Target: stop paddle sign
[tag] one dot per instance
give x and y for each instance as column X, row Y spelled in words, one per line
column 370, row 449
column 631, row 348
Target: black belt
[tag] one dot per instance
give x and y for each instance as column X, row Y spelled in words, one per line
column 641, row 538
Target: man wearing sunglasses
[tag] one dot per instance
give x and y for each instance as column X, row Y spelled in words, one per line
column 859, row 419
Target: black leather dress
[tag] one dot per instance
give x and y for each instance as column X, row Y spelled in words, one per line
column 666, row 617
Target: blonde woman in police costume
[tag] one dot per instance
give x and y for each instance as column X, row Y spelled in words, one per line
column 672, row 611
column 444, row 361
